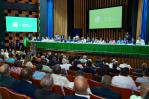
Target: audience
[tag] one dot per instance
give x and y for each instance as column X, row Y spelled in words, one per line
column 80, row 87
column 38, row 74
column 45, row 92
column 5, row 79
column 105, row 91
column 25, row 86
column 124, row 80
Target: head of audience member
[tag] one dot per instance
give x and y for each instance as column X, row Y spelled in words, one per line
column 4, row 70
column 11, row 55
column 79, row 73
column 84, row 57
column 106, row 80
column 89, row 63
column 39, row 67
column 145, row 90
column 27, row 59
column 26, row 74
column 18, row 63
column 139, row 72
column 47, row 82
column 146, row 72
column 143, row 66
column 44, row 61
column 57, row 69
column 81, row 85
column 124, row 71
column 115, row 65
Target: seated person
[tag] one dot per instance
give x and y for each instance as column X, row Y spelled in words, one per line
column 17, row 67
column 45, row 92
column 140, row 41
column 5, row 79
column 65, row 63
column 38, row 74
column 80, row 87
column 105, row 91
column 11, row 59
column 83, row 59
column 124, row 80
column 88, row 68
column 24, row 86
column 58, row 79
column 143, row 78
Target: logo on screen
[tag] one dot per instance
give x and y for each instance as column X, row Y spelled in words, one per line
column 15, row 24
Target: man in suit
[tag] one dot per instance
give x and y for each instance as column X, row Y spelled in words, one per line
column 5, row 79
column 104, row 91
column 45, row 91
column 24, row 86
column 80, row 87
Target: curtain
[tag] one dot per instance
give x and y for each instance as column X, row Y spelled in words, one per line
column 50, row 18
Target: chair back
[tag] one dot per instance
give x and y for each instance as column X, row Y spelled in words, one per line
column 124, row 92
column 36, row 82
column 58, row 90
column 8, row 94
column 15, row 75
column 68, row 91
column 93, row 83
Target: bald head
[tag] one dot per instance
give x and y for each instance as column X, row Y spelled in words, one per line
column 80, row 85
column 4, row 69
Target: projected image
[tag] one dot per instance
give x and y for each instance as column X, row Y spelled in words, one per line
column 105, row 18
column 21, row 24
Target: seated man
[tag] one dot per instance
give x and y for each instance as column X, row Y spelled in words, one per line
column 38, row 74
column 105, row 91
column 24, row 86
column 124, row 80
column 80, row 87
column 45, row 91
column 140, row 41
column 5, row 79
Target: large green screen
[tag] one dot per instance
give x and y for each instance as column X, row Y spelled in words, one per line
column 105, row 18
column 21, row 24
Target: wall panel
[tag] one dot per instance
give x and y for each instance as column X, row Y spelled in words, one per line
column 60, row 17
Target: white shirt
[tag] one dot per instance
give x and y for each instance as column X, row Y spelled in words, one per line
column 60, row 80
column 65, row 66
column 124, row 82
column 142, row 79
column 140, row 42
column 125, row 65
column 86, row 96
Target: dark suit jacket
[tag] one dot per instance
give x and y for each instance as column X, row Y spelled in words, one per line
column 43, row 94
column 24, row 87
column 74, row 97
column 105, row 93
column 88, row 70
column 6, row 81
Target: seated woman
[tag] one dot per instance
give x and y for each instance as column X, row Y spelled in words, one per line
column 17, row 67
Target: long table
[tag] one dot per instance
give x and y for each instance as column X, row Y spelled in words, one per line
column 134, row 50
